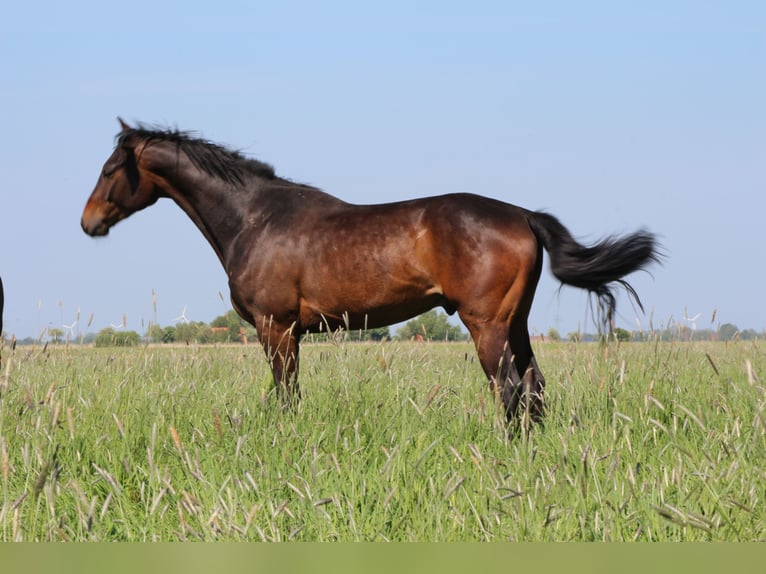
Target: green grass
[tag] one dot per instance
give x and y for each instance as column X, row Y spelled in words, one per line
column 396, row 441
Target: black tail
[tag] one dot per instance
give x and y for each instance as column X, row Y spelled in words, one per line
column 598, row 267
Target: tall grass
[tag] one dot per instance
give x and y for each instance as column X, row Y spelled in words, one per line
column 395, row 441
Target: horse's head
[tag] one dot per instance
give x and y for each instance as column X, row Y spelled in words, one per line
column 123, row 186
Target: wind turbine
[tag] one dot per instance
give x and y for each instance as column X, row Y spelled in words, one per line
column 70, row 328
column 692, row 321
column 182, row 317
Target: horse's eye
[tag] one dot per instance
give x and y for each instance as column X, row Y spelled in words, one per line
column 107, row 173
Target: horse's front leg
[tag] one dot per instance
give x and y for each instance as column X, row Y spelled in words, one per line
column 281, row 344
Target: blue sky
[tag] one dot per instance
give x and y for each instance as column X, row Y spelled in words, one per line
column 610, row 115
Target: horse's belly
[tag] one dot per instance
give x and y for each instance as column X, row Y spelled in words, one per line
column 353, row 314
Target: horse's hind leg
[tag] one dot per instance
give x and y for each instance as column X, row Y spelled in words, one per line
column 498, row 361
column 506, row 356
column 532, row 387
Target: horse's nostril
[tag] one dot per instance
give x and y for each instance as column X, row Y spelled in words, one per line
column 97, row 230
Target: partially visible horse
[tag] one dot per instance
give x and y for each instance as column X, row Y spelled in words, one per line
column 2, row 302
column 299, row 260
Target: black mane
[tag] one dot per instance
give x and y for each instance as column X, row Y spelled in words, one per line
column 228, row 165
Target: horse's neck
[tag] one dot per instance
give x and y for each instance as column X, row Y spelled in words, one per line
column 221, row 209
column 215, row 208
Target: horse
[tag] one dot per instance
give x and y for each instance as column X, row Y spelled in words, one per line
column 2, row 302
column 299, row 260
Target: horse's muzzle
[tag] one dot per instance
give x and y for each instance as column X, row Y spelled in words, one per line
column 94, row 229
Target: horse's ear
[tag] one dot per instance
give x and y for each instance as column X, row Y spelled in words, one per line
column 124, row 139
column 125, row 127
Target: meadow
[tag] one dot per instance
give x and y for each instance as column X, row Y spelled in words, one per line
column 652, row 441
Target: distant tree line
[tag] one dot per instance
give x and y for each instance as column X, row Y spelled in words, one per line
column 430, row 326
column 231, row 328
column 726, row 332
column 111, row 337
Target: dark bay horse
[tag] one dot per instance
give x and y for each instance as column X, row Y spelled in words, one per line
column 299, row 260
column 2, row 302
